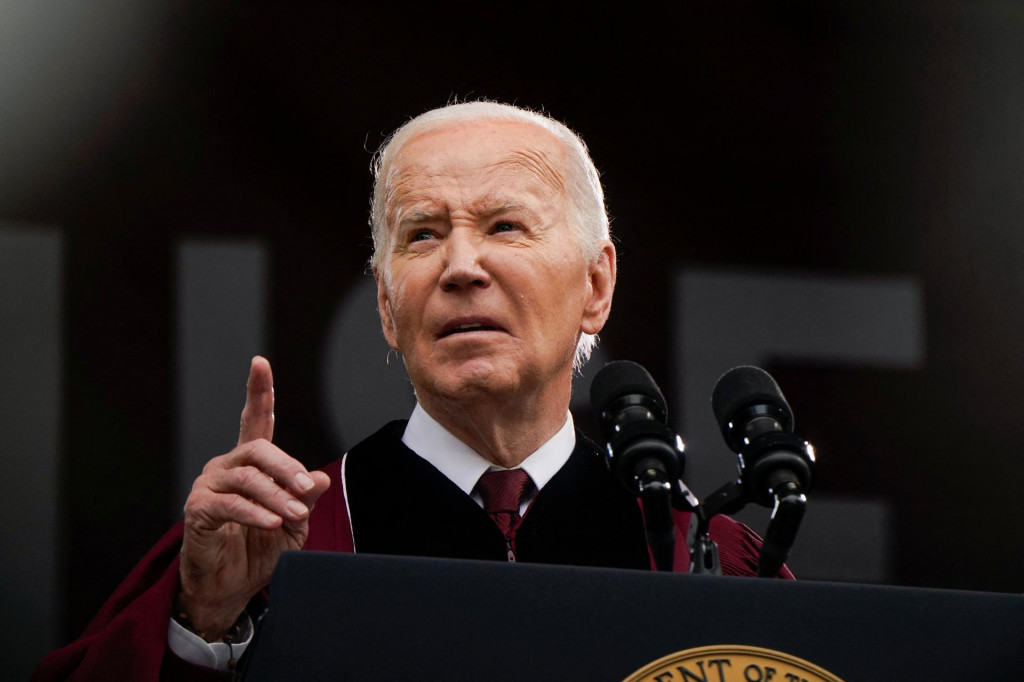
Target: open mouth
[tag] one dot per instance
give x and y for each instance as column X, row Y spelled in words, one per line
column 468, row 328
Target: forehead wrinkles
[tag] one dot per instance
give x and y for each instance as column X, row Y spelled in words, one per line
column 409, row 181
column 410, row 185
column 537, row 163
column 478, row 189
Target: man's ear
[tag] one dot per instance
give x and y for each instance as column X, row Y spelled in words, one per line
column 601, row 286
column 387, row 322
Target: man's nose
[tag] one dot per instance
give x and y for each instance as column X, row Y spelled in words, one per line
column 464, row 262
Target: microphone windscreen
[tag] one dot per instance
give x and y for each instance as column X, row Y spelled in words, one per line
column 742, row 387
column 620, row 378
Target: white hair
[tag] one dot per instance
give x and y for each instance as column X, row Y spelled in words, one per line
column 587, row 213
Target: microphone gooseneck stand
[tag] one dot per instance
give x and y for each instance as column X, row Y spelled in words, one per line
column 776, row 467
column 703, row 550
column 642, row 452
column 772, row 484
column 787, row 514
column 648, row 459
column 656, row 497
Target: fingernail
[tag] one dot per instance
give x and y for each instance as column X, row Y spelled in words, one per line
column 297, row 508
column 304, row 481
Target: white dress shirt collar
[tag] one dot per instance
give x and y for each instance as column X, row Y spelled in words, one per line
column 464, row 466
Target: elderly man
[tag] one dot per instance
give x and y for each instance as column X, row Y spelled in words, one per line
column 494, row 271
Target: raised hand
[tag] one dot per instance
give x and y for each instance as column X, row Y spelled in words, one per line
column 246, row 508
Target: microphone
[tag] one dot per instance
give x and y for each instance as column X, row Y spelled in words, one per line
column 757, row 424
column 776, row 467
column 632, row 415
column 641, row 450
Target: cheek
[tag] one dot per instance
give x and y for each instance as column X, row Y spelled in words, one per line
column 563, row 291
column 555, row 312
column 406, row 309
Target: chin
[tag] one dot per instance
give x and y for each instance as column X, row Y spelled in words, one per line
column 476, row 385
column 471, row 379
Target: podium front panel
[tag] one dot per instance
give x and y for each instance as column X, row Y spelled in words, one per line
column 366, row 617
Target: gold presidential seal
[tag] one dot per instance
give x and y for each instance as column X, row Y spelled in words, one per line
column 731, row 663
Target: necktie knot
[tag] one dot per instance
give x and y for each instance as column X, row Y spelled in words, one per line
column 503, row 491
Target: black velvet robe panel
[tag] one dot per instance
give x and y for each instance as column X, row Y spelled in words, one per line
column 400, row 504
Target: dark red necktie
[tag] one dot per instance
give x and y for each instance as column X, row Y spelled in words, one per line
column 502, row 492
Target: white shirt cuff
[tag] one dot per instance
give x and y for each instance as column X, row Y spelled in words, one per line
column 190, row 647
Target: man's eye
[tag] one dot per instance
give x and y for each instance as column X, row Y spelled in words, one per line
column 421, row 236
column 504, row 227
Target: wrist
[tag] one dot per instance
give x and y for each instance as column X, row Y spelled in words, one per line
column 209, row 624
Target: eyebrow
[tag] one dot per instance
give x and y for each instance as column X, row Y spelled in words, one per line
column 419, row 216
column 505, row 207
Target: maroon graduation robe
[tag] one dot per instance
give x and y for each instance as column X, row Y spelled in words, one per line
column 581, row 517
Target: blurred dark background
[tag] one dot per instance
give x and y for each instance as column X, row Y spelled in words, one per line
column 185, row 184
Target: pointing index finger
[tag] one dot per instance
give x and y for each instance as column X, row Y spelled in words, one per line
column 258, row 413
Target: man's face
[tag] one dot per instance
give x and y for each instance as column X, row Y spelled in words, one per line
column 487, row 289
